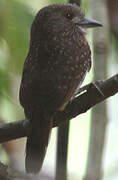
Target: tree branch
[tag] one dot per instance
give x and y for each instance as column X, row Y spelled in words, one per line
column 7, row 173
column 3, row 171
column 77, row 2
column 79, row 105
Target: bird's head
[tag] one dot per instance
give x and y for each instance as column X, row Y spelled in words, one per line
column 60, row 19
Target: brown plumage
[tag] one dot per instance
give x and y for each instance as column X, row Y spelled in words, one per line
column 58, row 59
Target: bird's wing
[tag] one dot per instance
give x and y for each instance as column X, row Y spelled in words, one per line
column 53, row 85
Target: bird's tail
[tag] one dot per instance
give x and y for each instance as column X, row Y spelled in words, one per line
column 37, row 143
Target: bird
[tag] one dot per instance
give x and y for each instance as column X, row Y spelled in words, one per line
column 57, row 62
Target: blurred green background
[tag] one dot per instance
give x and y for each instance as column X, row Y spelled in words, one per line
column 16, row 17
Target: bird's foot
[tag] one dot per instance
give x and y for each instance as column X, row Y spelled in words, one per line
column 97, row 86
column 26, row 123
column 88, row 86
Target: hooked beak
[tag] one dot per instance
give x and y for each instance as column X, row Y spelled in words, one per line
column 88, row 23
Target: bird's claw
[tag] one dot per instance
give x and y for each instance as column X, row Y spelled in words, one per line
column 86, row 87
column 97, row 86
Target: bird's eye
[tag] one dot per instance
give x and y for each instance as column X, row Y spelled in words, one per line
column 69, row 16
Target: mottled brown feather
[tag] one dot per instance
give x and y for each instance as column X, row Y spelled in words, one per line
column 59, row 58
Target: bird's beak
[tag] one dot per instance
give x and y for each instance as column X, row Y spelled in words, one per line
column 88, row 23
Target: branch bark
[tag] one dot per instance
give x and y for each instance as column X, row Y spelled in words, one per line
column 79, row 105
column 3, row 172
column 7, row 173
column 77, row 2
